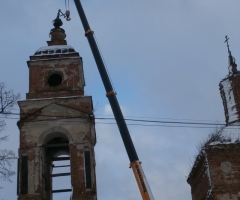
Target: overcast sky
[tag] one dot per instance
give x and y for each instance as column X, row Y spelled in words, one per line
column 165, row 58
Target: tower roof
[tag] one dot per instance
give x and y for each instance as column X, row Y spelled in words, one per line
column 57, row 46
column 53, row 50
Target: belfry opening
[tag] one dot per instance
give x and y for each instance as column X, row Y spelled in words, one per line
column 57, row 161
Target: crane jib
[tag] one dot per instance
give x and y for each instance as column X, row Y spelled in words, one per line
column 132, row 154
column 122, row 126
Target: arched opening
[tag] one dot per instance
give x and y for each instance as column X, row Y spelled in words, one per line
column 58, row 183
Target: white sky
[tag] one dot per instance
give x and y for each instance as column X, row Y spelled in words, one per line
column 166, row 59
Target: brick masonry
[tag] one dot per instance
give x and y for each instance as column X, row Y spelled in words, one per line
column 56, row 115
column 215, row 174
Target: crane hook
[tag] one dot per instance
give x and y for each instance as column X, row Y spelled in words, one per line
column 67, row 15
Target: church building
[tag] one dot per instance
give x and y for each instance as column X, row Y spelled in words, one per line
column 215, row 174
column 57, row 128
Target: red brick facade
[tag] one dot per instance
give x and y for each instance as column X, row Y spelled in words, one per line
column 56, row 119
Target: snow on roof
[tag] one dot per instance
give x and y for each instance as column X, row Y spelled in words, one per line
column 53, row 50
column 228, row 135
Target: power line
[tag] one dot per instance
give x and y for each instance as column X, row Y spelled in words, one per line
column 130, row 124
column 167, row 122
column 112, row 117
column 141, row 122
column 164, row 118
column 160, row 125
column 126, row 119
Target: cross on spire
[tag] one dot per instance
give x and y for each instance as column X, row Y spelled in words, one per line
column 229, row 52
column 226, row 41
column 232, row 64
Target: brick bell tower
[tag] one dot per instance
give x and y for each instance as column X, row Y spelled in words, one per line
column 56, row 126
column 215, row 174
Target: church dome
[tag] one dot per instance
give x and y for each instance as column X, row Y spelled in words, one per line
column 54, row 50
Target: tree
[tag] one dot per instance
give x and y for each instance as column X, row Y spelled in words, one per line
column 7, row 102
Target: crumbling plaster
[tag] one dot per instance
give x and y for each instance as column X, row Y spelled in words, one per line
column 42, row 120
column 38, row 121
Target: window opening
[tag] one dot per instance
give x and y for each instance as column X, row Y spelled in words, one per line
column 24, row 175
column 55, row 79
column 87, row 168
column 58, row 159
column 61, row 178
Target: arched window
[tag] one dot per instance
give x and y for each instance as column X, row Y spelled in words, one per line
column 58, row 183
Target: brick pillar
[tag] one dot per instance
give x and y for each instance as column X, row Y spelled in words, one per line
column 83, row 188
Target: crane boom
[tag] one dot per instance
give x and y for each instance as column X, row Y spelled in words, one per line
column 111, row 95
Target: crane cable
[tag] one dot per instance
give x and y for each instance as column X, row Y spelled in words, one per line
column 67, row 4
column 67, row 13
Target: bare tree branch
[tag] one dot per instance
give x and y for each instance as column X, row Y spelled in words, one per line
column 7, row 102
column 4, row 138
column 7, row 99
column 2, row 125
column 6, row 160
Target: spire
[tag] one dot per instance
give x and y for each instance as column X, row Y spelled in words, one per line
column 232, row 65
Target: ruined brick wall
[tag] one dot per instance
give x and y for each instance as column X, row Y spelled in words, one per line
column 56, row 119
column 236, row 92
column 43, row 120
column 223, row 161
column 78, row 174
column 230, row 93
column 70, row 70
column 199, row 178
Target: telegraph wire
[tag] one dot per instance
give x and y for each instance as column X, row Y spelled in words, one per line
column 126, row 119
column 130, row 124
column 188, row 121
column 141, row 122
column 156, row 125
column 125, row 116
column 187, row 125
column 163, row 118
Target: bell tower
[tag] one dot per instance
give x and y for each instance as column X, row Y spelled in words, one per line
column 56, row 125
column 215, row 174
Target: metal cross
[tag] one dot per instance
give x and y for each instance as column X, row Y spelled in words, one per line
column 227, row 42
